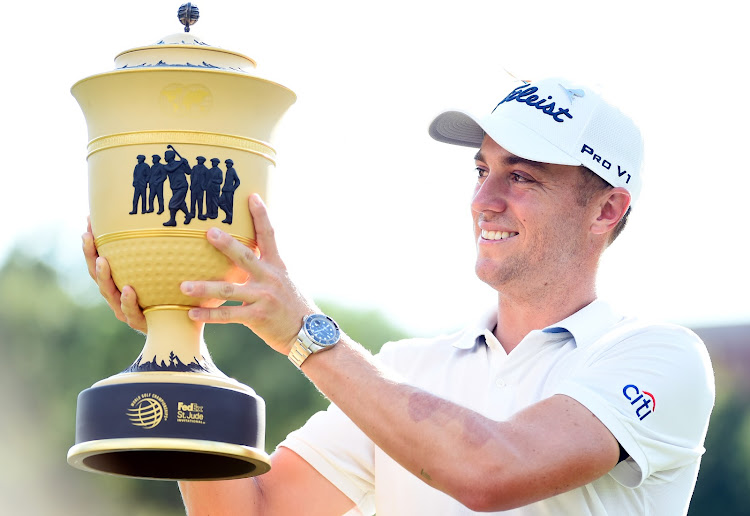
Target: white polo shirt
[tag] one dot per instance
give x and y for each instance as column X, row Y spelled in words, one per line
column 652, row 385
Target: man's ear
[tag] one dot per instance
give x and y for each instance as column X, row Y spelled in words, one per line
column 612, row 205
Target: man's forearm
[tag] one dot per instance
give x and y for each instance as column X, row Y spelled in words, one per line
column 547, row 448
column 227, row 498
column 291, row 488
column 425, row 434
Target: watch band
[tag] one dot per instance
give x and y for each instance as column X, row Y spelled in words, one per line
column 299, row 353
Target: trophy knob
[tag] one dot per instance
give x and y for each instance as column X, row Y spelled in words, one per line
column 188, row 14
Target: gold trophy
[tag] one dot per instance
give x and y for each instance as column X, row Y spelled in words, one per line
column 178, row 139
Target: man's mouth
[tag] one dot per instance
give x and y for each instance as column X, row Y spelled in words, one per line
column 497, row 235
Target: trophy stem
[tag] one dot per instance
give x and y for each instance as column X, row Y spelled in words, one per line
column 174, row 343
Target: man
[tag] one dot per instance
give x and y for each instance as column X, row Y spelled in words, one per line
column 231, row 182
column 156, row 184
column 141, row 174
column 551, row 404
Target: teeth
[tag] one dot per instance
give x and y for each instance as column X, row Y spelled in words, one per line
column 497, row 235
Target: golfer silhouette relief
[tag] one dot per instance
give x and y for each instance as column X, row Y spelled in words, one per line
column 197, row 188
column 177, row 172
column 156, row 184
column 231, row 182
column 213, row 189
column 141, row 175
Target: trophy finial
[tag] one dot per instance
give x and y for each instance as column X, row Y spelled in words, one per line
column 188, row 14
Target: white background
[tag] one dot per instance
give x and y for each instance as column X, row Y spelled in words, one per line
column 369, row 211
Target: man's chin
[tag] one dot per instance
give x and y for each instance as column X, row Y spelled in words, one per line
column 492, row 275
column 497, row 272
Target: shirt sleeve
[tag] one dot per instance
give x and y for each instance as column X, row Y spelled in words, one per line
column 653, row 388
column 341, row 452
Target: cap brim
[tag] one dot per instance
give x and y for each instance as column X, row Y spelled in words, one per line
column 459, row 128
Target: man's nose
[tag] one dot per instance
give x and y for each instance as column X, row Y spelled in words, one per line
column 490, row 195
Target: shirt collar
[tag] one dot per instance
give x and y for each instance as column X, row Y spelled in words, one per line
column 585, row 325
column 479, row 331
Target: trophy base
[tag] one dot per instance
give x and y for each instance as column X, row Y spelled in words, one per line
column 170, row 430
column 169, row 459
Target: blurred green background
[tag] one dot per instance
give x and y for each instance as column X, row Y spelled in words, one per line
column 58, row 338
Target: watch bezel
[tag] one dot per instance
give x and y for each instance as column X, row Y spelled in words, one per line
column 316, row 340
column 306, row 342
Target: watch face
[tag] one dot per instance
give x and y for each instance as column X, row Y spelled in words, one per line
column 322, row 329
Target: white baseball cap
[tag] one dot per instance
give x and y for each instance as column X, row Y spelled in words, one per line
column 555, row 121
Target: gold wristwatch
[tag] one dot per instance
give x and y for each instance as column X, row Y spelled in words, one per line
column 319, row 333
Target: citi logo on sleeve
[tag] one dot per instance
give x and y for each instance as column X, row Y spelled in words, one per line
column 647, row 401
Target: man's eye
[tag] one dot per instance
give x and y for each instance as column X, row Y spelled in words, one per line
column 481, row 172
column 518, row 178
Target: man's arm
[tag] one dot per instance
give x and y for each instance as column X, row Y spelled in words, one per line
column 292, row 487
column 550, row 447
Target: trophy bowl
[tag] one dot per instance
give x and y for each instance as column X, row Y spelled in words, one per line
column 179, row 138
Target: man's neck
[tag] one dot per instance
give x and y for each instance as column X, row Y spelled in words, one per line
column 517, row 316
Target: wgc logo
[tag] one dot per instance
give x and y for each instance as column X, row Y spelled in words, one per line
column 147, row 410
column 633, row 394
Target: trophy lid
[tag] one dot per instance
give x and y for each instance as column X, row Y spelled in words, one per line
column 183, row 50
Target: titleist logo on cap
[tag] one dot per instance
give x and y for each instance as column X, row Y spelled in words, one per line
column 525, row 95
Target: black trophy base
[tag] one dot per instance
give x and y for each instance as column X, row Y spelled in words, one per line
column 170, row 431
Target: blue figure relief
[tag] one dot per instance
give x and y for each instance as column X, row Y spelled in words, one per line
column 156, row 184
column 141, row 174
column 177, row 171
column 197, row 188
column 231, row 182
column 213, row 189
column 203, row 183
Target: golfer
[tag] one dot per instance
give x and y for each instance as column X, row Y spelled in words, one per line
column 551, row 403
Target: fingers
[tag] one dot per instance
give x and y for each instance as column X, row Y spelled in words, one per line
column 251, row 315
column 100, row 272
column 220, row 315
column 214, row 290
column 124, row 304
column 107, row 287
column 131, row 310
column 89, row 252
column 240, row 254
column 264, row 233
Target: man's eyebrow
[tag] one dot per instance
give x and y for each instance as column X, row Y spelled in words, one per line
column 517, row 160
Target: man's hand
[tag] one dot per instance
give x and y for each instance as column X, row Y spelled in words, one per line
column 272, row 307
column 124, row 304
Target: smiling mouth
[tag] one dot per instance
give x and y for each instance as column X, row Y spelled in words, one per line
column 497, row 235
